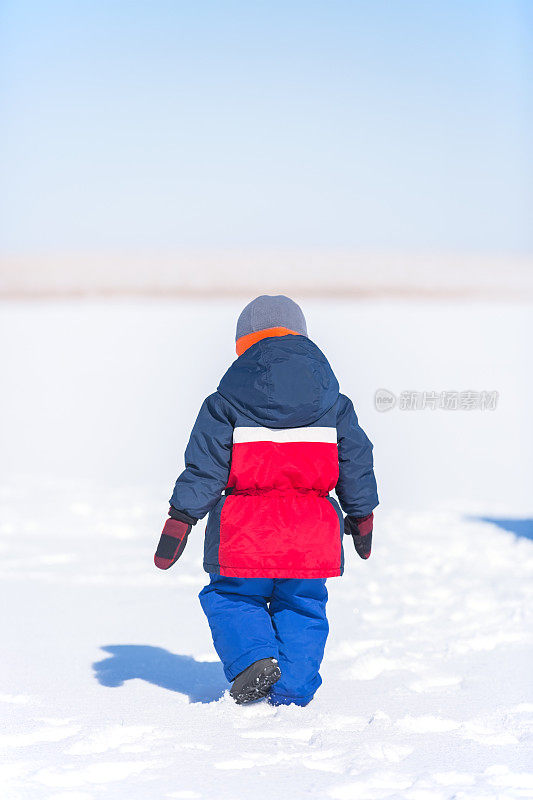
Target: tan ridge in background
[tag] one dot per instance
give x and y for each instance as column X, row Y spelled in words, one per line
column 311, row 273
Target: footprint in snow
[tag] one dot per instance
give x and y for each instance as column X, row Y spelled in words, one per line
column 110, row 738
column 386, row 751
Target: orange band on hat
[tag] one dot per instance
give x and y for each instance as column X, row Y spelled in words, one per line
column 244, row 342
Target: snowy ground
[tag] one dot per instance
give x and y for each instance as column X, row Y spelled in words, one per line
column 110, row 687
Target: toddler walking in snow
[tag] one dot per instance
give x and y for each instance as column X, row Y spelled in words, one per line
column 264, row 454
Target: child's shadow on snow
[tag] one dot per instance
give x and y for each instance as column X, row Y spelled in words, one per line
column 202, row 681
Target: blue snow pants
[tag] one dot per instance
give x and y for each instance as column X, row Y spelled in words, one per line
column 254, row 618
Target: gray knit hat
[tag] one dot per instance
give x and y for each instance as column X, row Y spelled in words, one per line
column 271, row 311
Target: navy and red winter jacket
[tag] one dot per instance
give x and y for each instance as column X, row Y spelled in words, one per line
column 266, row 450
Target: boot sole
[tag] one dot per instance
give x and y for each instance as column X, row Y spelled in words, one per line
column 260, row 687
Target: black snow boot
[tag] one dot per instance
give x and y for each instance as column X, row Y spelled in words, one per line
column 255, row 681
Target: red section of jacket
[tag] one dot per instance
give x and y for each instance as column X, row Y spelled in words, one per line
column 278, row 522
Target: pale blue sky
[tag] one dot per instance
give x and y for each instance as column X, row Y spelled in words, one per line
column 160, row 125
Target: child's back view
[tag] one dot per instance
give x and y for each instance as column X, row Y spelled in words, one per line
column 266, row 450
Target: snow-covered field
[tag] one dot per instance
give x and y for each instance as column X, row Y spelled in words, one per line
column 110, row 687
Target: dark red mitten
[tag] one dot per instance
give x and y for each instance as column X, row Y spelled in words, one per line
column 360, row 529
column 173, row 538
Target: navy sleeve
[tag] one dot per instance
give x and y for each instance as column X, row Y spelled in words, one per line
column 356, row 487
column 207, row 460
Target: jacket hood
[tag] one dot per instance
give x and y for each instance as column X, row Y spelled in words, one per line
column 281, row 382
